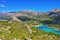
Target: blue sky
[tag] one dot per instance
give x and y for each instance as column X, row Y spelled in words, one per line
column 37, row 5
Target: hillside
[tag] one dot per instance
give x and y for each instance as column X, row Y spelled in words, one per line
column 20, row 25
column 18, row 30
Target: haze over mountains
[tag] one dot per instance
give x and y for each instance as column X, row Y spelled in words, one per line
column 30, row 13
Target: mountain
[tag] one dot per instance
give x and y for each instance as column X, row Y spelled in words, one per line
column 30, row 14
column 55, row 14
column 20, row 25
column 19, row 30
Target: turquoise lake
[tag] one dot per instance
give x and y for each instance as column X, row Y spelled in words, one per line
column 48, row 29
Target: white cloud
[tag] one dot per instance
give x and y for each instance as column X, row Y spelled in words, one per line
column 2, row 5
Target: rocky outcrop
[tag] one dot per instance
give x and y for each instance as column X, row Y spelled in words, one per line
column 28, row 38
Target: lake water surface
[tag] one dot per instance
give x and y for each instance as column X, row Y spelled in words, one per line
column 48, row 29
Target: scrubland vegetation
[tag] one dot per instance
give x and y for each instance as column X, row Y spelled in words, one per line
column 18, row 30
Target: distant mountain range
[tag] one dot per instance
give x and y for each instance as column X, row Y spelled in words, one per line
column 55, row 14
column 23, row 13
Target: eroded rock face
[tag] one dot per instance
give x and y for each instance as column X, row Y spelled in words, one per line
column 55, row 14
column 28, row 38
column 15, row 18
column 29, row 29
